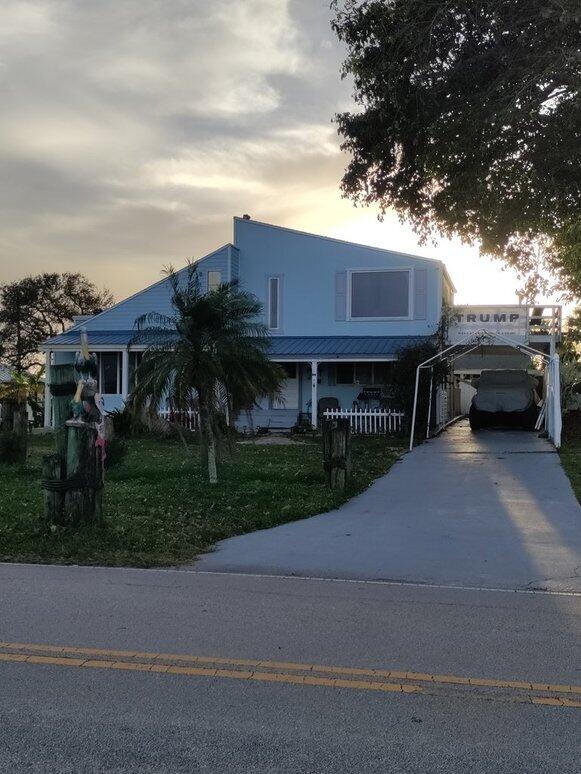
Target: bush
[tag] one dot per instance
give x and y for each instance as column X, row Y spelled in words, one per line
column 116, row 450
column 403, row 379
column 12, row 448
column 126, row 422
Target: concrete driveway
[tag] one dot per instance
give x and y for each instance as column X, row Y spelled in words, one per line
column 492, row 509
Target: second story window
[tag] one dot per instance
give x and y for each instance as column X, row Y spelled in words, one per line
column 380, row 295
column 214, row 280
column 274, row 303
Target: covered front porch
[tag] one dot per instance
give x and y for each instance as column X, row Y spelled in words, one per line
column 311, row 387
column 347, row 373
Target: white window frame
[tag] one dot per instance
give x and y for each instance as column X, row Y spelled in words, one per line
column 213, row 287
column 269, row 279
column 355, row 364
column 400, row 269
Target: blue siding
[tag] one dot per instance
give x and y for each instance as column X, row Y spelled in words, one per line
column 314, row 288
column 310, row 265
column 218, row 261
column 156, row 298
column 234, row 263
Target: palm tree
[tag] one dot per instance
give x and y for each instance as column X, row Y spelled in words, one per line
column 209, row 355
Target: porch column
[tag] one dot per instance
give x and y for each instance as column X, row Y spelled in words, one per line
column 314, row 389
column 124, row 373
column 47, row 395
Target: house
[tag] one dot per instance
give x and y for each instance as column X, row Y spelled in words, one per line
column 338, row 313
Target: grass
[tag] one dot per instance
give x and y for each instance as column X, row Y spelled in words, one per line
column 161, row 511
column 571, row 450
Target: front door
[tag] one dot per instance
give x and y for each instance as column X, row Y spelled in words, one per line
column 289, row 398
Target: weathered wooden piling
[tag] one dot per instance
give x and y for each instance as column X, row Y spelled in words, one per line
column 14, row 429
column 337, row 452
column 73, row 476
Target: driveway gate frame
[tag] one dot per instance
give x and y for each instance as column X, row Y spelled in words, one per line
column 552, row 418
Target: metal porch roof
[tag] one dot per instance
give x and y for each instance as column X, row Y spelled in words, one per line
column 341, row 347
column 308, row 347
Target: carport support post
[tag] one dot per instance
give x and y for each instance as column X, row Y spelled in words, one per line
column 314, row 380
column 47, row 395
column 415, row 407
column 430, row 402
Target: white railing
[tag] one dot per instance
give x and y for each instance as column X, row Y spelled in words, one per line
column 369, row 422
column 190, row 420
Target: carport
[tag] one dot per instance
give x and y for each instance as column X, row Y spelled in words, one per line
column 550, row 415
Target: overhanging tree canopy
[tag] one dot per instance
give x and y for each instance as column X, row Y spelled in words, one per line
column 470, row 123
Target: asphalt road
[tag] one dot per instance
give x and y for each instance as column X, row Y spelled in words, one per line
column 57, row 716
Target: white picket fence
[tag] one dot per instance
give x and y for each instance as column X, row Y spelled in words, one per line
column 190, row 420
column 369, row 422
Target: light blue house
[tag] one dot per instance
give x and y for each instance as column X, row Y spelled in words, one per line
column 338, row 313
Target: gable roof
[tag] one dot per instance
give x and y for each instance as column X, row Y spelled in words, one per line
column 122, row 315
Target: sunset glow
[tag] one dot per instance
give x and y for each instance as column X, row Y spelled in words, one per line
column 137, row 130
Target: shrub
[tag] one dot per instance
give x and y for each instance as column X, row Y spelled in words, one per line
column 116, row 451
column 126, row 422
column 12, row 448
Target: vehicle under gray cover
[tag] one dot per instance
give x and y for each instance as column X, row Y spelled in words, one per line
column 504, row 397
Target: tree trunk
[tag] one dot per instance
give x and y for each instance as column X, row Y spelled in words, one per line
column 212, row 470
column 208, row 439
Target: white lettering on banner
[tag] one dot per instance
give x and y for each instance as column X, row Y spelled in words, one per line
column 506, row 321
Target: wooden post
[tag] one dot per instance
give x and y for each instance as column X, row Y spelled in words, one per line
column 83, row 474
column 15, row 428
column 337, row 452
column 62, row 388
column 53, row 471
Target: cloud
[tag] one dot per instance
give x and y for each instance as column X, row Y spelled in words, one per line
column 131, row 132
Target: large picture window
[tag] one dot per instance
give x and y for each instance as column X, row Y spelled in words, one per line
column 380, row 295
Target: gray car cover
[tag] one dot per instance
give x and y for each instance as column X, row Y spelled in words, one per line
column 504, row 390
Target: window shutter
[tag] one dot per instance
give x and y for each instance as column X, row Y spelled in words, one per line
column 420, row 294
column 341, row 295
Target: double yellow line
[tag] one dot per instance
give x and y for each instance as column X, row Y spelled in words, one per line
column 386, row 680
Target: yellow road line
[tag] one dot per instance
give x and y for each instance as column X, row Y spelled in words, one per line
column 205, row 672
column 277, row 671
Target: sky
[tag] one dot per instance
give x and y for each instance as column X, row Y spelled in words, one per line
column 132, row 131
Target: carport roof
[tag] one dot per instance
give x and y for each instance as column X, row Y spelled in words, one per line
column 290, row 347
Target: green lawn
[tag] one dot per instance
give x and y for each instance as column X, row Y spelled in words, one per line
column 571, row 450
column 160, row 510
